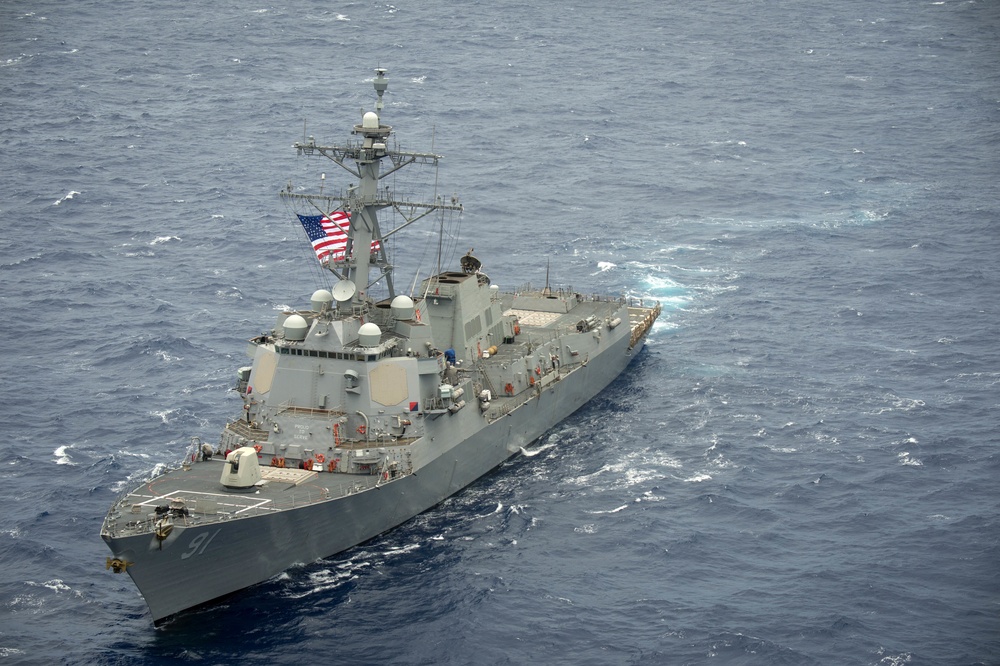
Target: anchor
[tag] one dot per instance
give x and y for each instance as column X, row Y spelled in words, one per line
column 117, row 564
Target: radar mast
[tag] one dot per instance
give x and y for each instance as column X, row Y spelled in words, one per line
column 365, row 261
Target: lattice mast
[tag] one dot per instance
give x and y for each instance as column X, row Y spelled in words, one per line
column 361, row 268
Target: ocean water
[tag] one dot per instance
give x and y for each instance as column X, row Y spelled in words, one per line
column 801, row 467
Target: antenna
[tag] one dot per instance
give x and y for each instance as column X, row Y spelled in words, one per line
column 381, row 83
column 440, row 241
column 436, row 166
column 547, row 291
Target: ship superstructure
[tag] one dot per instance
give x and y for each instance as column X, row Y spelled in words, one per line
column 358, row 413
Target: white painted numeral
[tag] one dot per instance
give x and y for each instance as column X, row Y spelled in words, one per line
column 199, row 544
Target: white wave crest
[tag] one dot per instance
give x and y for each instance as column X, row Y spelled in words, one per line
column 401, row 550
column 164, row 415
column 69, row 196
column 62, row 457
column 535, row 452
column 320, row 581
column 163, row 239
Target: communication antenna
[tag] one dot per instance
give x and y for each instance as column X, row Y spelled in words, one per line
column 381, row 84
column 440, row 241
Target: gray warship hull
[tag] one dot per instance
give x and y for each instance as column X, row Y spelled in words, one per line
column 167, row 575
column 360, row 413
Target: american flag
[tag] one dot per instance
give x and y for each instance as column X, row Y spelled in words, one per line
column 328, row 234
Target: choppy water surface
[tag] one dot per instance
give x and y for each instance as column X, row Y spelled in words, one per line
column 800, row 468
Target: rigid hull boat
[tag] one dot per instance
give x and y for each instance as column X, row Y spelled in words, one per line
column 359, row 414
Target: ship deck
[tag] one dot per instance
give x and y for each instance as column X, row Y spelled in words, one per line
column 533, row 319
column 541, row 317
column 206, row 500
column 196, row 488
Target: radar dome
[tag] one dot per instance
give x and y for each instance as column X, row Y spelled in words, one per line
column 369, row 120
column 402, row 307
column 295, row 328
column 369, row 335
column 320, row 298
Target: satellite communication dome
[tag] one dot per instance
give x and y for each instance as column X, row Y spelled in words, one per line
column 295, row 328
column 320, row 298
column 369, row 120
column 369, row 335
column 402, row 307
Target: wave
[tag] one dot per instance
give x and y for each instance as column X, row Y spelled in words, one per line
column 62, row 457
column 66, row 197
column 21, row 262
column 163, row 239
column 617, row 509
column 603, row 266
column 534, row 452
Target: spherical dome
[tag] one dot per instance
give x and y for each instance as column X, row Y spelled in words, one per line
column 402, row 307
column 370, row 120
column 320, row 298
column 295, row 327
column 369, row 335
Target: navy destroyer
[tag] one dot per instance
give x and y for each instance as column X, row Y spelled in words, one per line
column 359, row 413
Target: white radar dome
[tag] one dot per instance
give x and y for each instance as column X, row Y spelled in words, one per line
column 295, row 327
column 320, row 298
column 369, row 120
column 402, row 307
column 369, row 335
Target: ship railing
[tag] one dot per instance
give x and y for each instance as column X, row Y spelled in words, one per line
column 634, row 302
column 146, row 521
column 309, row 498
column 484, row 376
column 622, row 299
column 379, row 439
column 641, row 320
column 121, row 502
column 528, row 288
column 247, row 431
column 289, row 408
column 540, row 336
column 505, row 405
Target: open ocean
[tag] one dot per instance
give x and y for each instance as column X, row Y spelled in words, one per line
column 803, row 466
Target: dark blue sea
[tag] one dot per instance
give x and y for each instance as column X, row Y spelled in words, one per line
column 802, row 467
